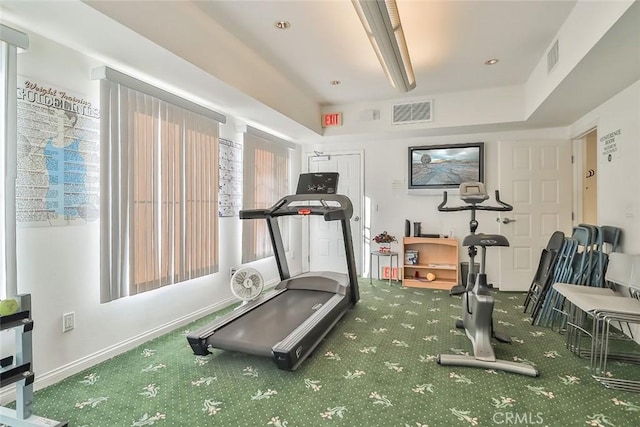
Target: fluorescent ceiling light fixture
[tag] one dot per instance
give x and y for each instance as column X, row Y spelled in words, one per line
column 381, row 22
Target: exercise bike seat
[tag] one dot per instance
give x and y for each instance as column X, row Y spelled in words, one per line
column 485, row 240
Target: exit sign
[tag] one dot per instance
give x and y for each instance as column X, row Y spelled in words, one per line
column 331, row 119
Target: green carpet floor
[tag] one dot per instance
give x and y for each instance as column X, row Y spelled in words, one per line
column 376, row 368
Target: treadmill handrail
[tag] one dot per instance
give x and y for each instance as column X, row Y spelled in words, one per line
column 284, row 207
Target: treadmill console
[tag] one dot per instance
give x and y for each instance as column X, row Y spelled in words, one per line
column 318, row 183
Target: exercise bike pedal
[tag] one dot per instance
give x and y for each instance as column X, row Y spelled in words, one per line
column 502, row 338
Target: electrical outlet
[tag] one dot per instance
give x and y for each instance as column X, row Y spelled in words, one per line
column 68, row 321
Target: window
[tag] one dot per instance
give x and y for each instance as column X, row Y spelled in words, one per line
column 266, row 175
column 159, row 188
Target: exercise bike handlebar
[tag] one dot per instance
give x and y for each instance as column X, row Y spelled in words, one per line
column 504, row 206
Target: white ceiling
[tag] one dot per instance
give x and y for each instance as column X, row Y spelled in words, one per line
column 448, row 43
column 229, row 54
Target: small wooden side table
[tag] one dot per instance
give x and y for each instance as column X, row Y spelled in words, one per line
column 379, row 254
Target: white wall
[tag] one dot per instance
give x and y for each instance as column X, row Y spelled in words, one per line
column 386, row 186
column 60, row 265
column 618, row 195
column 618, row 199
column 450, row 110
column 618, row 127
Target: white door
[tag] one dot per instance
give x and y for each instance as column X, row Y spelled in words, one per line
column 536, row 178
column 326, row 245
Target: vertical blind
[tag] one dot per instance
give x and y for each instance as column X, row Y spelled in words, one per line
column 159, row 190
column 10, row 41
column 266, row 178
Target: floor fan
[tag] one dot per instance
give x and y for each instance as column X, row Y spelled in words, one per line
column 246, row 284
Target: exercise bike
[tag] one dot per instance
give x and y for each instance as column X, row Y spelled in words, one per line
column 473, row 196
column 477, row 302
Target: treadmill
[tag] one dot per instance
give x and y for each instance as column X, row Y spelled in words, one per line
column 289, row 322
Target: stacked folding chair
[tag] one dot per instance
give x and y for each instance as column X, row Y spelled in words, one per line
column 609, row 240
column 542, row 279
column 582, row 260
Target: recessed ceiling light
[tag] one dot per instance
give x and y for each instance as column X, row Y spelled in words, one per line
column 335, row 82
column 283, row 25
column 491, row 62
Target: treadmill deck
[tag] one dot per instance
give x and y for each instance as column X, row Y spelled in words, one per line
column 260, row 329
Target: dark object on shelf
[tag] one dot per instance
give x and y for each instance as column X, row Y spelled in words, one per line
column 431, row 235
column 416, row 229
column 411, row 257
column 407, row 228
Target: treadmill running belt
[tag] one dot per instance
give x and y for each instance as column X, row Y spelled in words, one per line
column 261, row 328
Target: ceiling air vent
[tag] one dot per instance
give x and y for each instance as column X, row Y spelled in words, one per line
column 413, row 112
column 553, row 56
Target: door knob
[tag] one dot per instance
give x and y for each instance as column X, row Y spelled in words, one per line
column 505, row 220
column 356, row 218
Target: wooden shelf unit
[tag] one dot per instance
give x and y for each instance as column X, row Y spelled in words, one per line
column 435, row 255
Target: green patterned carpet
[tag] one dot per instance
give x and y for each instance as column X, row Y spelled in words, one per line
column 376, row 368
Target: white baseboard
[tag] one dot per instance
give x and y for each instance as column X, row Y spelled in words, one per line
column 7, row 394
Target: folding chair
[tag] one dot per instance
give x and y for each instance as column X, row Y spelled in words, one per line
column 542, row 278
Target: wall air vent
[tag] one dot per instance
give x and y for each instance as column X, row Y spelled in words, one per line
column 553, row 56
column 413, row 112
